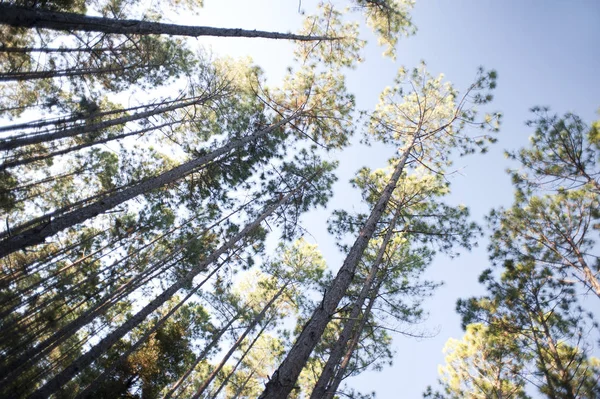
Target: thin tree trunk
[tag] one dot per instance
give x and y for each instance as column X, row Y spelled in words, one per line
column 339, row 374
column 38, row 234
column 74, row 117
column 340, row 345
column 36, row 18
column 89, row 391
column 24, row 50
column 243, row 386
column 12, row 143
column 241, row 359
column 27, row 161
column 35, row 353
column 68, row 73
column 202, row 355
column 92, row 355
column 237, row 343
column 284, row 378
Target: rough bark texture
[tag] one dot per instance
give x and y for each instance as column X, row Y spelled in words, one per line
column 337, row 352
column 51, row 226
column 36, row 18
column 284, row 378
column 90, row 356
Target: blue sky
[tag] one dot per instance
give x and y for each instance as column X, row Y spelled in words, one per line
column 546, row 52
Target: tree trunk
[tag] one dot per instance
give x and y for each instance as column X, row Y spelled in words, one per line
column 241, row 359
column 26, row 161
column 89, row 391
column 202, row 355
column 340, row 345
column 89, row 357
column 284, row 378
column 12, row 143
column 237, row 343
column 51, row 226
column 39, row 351
column 339, row 374
column 68, row 73
column 36, row 18
column 243, row 386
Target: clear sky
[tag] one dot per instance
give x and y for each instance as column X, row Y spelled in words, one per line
column 546, row 52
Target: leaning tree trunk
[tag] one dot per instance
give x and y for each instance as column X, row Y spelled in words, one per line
column 215, row 340
column 89, row 391
column 337, row 352
column 237, row 343
column 20, row 141
column 32, row 355
column 339, row 374
column 50, row 226
column 284, row 378
column 241, row 359
column 35, row 18
column 95, row 352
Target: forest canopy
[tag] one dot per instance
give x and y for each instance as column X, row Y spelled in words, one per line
column 153, row 197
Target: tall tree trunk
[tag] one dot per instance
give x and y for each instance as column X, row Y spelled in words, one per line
column 237, row 343
column 241, row 359
column 202, row 355
column 97, row 350
column 69, row 73
column 28, row 160
column 20, row 141
column 37, row 235
column 89, row 391
column 284, row 378
column 34, row 354
column 54, row 20
column 341, row 370
column 340, row 345
column 243, row 386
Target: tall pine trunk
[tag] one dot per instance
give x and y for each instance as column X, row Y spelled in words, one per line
column 54, row 20
column 97, row 350
column 202, row 355
column 237, row 343
column 337, row 352
column 50, row 226
column 341, row 370
column 284, row 378
column 20, row 141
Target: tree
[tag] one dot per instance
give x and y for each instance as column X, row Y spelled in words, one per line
column 425, row 127
column 38, row 18
column 537, row 311
column 482, row 365
column 554, row 218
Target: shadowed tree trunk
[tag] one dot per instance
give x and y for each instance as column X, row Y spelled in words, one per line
column 97, row 350
column 52, row 225
column 36, row 18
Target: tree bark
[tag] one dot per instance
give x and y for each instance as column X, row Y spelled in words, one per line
column 36, row 18
column 284, row 378
column 16, row 367
column 337, row 351
column 97, row 350
column 339, row 374
column 38, row 234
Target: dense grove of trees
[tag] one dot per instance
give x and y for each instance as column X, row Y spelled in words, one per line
column 140, row 180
